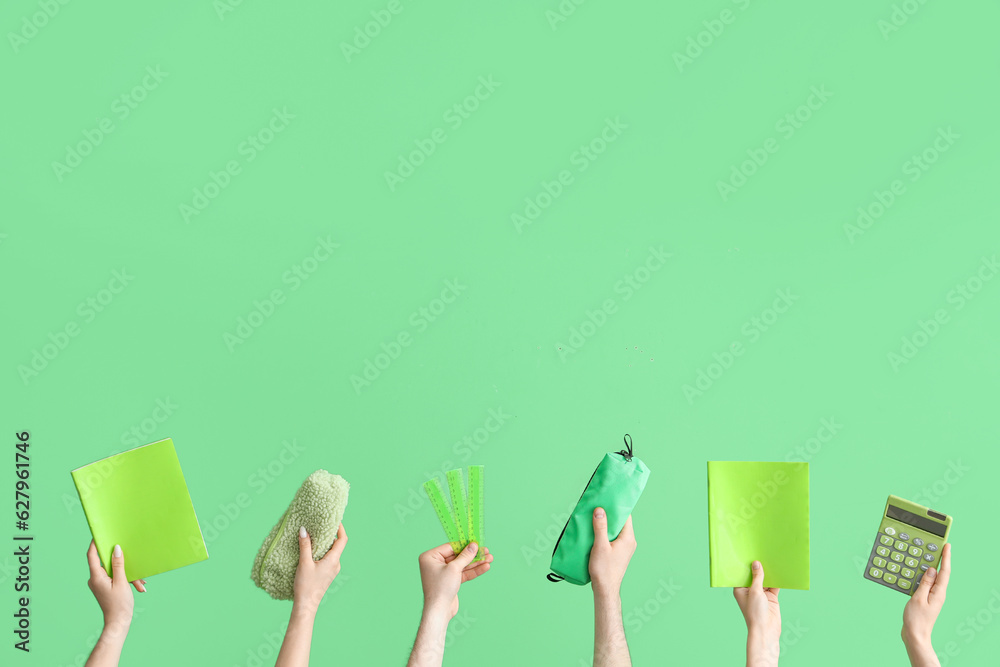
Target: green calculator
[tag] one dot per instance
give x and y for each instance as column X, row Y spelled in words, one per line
column 909, row 542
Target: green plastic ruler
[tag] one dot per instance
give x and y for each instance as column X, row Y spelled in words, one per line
column 477, row 523
column 463, row 521
column 433, row 490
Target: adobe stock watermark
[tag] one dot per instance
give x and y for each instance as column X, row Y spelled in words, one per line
column 714, row 27
column 258, row 482
column 900, row 16
column 914, row 167
column 463, row 451
column 972, row 626
column 32, row 23
column 135, row 436
column 562, row 12
column 113, row 632
column 295, row 276
column 636, row 618
column 581, row 158
column 264, row 654
column 786, row 126
column 752, row 330
column 453, row 117
column 87, row 311
column 807, row 451
column 419, row 322
column 767, row 491
column 121, row 108
column 930, row 495
column 624, row 289
column 957, row 298
column 365, row 33
column 544, row 541
column 248, row 149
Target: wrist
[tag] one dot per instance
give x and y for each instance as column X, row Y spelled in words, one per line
column 606, row 592
column 116, row 627
column 436, row 610
column 916, row 641
column 303, row 609
column 762, row 647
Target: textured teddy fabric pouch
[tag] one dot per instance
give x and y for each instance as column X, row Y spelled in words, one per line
column 318, row 506
column 616, row 486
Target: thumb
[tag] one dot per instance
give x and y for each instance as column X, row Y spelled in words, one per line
column 926, row 582
column 465, row 556
column 305, row 546
column 758, row 576
column 118, row 566
column 600, row 527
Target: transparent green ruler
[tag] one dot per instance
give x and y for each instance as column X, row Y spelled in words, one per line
column 463, row 520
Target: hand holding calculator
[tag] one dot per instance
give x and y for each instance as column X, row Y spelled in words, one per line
column 909, row 542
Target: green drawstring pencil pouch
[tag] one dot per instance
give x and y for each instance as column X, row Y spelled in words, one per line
column 616, row 486
column 318, row 506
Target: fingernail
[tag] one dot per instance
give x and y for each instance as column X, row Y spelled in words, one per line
column 118, row 551
column 931, row 572
column 302, row 532
column 472, row 546
column 756, row 565
column 599, row 512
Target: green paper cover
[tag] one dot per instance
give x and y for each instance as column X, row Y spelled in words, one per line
column 139, row 499
column 758, row 511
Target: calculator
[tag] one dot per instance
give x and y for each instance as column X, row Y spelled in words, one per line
column 909, row 542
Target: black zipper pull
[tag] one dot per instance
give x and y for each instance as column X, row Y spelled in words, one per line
column 628, row 443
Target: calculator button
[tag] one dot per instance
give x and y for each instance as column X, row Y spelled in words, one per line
column 875, row 572
column 879, row 562
column 889, row 530
column 912, row 562
column 886, row 540
column 889, row 578
column 893, row 567
column 896, row 556
column 916, row 551
column 882, row 551
column 904, row 536
column 919, row 542
column 932, row 547
column 924, row 568
column 904, row 583
column 901, row 546
column 908, row 573
column 929, row 558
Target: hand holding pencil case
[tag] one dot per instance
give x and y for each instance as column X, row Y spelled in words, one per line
column 318, row 506
column 616, row 486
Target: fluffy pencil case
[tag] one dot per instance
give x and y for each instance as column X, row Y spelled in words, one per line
column 318, row 506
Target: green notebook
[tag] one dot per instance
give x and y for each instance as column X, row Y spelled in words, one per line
column 138, row 499
column 758, row 511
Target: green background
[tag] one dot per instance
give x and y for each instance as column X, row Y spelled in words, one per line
column 905, row 429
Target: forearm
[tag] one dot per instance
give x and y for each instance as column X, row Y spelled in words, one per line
column 108, row 649
column 762, row 650
column 428, row 649
column 921, row 653
column 298, row 637
column 610, row 646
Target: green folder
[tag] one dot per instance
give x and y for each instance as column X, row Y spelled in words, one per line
column 138, row 499
column 758, row 511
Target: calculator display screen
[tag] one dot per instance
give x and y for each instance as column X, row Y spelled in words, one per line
column 915, row 520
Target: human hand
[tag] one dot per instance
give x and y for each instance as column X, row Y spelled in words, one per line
column 313, row 577
column 112, row 593
column 609, row 560
column 763, row 616
column 442, row 572
column 923, row 607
